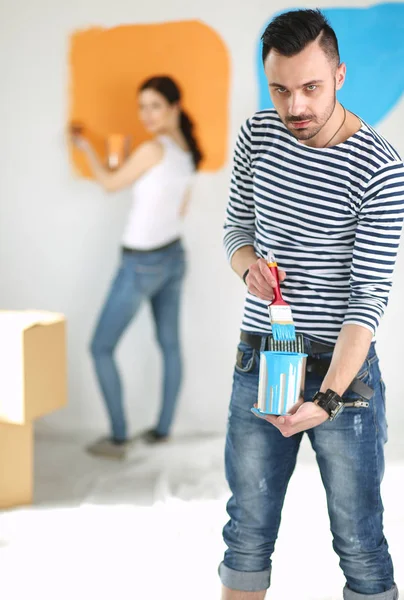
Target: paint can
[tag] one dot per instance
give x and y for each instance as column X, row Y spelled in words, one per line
column 281, row 381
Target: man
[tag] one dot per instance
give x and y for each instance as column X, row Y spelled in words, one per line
column 322, row 190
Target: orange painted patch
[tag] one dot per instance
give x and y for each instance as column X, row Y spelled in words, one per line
column 108, row 65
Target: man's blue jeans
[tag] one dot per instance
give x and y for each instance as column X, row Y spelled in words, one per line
column 260, row 462
column 155, row 276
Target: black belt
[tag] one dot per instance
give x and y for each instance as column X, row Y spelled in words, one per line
column 255, row 341
column 319, row 366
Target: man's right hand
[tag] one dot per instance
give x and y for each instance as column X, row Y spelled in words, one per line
column 260, row 280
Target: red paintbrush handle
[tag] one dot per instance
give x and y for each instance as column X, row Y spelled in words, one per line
column 277, row 290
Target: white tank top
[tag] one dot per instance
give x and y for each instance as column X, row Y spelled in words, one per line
column 154, row 219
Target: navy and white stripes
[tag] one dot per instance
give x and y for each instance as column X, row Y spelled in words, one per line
column 332, row 216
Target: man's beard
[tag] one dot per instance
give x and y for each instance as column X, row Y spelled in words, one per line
column 315, row 126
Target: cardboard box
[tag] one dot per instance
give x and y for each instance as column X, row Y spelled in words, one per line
column 16, row 465
column 33, row 369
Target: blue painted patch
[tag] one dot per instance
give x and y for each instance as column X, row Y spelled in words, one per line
column 371, row 43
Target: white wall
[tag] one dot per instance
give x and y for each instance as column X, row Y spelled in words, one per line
column 59, row 236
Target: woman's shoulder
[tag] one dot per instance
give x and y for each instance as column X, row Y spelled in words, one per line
column 151, row 149
column 147, row 155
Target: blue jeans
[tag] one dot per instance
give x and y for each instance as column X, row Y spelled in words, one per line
column 260, row 462
column 156, row 276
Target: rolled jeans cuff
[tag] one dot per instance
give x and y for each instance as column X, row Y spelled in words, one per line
column 247, row 581
column 391, row 594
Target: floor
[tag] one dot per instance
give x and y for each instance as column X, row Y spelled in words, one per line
column 150, row 527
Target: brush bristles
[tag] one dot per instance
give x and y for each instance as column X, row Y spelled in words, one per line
column 281, row 318
column 283, row 333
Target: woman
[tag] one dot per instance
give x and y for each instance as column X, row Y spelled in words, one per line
column 153, row 262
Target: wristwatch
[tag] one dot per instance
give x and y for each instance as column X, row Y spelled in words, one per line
column 330, row 401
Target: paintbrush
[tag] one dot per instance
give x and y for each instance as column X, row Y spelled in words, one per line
column 280, row 313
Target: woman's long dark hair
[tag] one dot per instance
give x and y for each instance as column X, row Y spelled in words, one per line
column 169, row 89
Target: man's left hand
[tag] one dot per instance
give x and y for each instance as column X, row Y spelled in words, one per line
column 305, row 416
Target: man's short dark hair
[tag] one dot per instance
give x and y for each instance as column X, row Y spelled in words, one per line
column 290, row 32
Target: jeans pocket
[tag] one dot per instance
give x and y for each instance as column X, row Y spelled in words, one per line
column 364, row 376
column 246, row 358
column 364, row 372
column 383, row 391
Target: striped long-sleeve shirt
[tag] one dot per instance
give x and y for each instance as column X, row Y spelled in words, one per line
column 332, row 216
